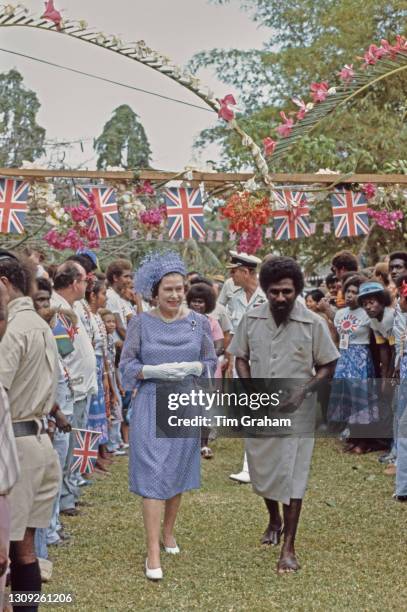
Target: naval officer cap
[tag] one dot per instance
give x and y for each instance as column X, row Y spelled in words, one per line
column 240, row 260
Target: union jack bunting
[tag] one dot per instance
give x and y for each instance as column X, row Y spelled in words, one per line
column 106, row 221
column 185, row 213
column 291, row 219
column 349, row 210
column 13, row 205
column 85, row 451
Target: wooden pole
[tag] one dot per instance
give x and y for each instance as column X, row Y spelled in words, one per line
column 210, row 178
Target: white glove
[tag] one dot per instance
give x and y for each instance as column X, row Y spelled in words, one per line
column 189, row 368
column 164, row 371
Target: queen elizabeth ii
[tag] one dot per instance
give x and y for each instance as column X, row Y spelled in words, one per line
column 170, row 342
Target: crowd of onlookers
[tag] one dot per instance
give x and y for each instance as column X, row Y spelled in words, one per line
column 62, row 329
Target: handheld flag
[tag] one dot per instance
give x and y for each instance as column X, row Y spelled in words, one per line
column 85, row 451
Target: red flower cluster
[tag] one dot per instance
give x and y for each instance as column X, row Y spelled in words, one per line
column 246, row 212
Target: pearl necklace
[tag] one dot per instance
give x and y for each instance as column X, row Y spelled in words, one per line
column 165, row 319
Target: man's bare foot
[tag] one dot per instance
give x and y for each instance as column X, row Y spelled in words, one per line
column 272, row 535
column 287, row 562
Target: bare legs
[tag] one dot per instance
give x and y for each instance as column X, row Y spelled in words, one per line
column 152, row 512
column 291, row 514
column 272, row 534
column 170, row 516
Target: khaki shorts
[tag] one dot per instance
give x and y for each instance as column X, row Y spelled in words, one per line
column 32, row 498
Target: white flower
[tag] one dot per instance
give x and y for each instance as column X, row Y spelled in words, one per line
column 309, row 106
column 250, row 184
column 59, row 213
column 66, row 217
column 51, row 220
column 331, row 91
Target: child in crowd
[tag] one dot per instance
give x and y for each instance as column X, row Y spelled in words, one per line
column 115, row 443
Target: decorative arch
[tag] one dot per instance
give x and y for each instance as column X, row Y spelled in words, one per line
column 379, row 63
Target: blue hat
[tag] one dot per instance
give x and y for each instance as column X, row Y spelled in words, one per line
column 153, row 268
column 369, row 288
column 89, row 254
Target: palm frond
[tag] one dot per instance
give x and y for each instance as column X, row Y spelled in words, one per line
column 345, row 94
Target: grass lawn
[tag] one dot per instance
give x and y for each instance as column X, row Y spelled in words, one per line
column 351, row 544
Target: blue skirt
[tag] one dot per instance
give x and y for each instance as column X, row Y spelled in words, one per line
column 354, row 398
column 97, row 420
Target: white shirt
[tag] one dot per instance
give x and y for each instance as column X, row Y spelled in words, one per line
column 353, row 325
column 81, row 363
column 239, row 304
column 118, row 305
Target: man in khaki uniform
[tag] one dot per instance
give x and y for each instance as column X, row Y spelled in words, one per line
column 28, row 372
column 9, row 466
column 283, row 339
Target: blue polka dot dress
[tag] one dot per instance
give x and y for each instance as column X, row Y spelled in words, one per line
column 160, row 468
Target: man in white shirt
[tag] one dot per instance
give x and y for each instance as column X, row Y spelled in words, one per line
column 69, row 287
column 247, row 293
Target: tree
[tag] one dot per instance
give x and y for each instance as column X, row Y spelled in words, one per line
column 123, row 141
column 21, row 138
column 310, row 41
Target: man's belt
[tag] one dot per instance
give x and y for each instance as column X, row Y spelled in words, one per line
column 28, row 428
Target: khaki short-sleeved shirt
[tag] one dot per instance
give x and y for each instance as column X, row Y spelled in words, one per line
column 28, row 362
column 9, row 465
column 288, row 351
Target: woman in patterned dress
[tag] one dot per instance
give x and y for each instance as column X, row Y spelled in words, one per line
column 168, row 343
column 353, row 401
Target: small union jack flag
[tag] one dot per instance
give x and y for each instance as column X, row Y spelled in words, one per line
column 106, row 221
column 85, row 451
column 185, row 213
column 13, row 205
column 349, row 210
column 291, row 219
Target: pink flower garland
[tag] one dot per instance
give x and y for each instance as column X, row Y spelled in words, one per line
column 79, row 235
column 384, row 218
column 251, row 241
column 320, row 91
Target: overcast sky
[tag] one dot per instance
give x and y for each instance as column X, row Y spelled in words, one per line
column 75, row 107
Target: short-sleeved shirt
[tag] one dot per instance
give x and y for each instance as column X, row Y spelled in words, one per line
column 291, row 350
column 81, row 363
column 220, row 314
column 383, row 330
column 226, row 294
column 28, row 362
column 117, row 305
column 353, row 324
column 239, row 304
column 9, row 465
column 65, row 396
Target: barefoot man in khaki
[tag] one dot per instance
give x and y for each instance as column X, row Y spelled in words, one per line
column 283, row 339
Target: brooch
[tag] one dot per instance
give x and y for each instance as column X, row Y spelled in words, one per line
column 193, row 324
